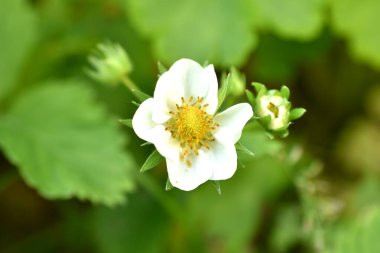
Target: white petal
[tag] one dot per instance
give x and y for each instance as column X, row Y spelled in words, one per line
column 171, row 85
column 165, row 144
column 231, row 122
column 224, row 160
column 148, row 130
column 168, row 93
column 186, row 78
column 202, row 82
column 188, row 178
column 142, row 120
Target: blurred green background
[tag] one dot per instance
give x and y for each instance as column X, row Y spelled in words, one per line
column 69, row 173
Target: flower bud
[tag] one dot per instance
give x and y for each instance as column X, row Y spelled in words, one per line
column 110, row 63
column 273, row 109
column 237, row 81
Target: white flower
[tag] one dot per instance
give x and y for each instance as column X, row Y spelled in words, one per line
column 180, row 121
column 277, row 108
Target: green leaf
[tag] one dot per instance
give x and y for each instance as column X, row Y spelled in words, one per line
column 18, row 34
column 222, row 92
column 66, row 146
column 127, row 122
column 223, row 36
column 296, row 113
column 359, row 234
column 296, row 19
column 152, row 161
column 356, row 21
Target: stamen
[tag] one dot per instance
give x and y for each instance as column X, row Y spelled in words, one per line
column 192, row 127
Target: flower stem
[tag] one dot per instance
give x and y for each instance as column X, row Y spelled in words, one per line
column 129, row 84
column 141, row 96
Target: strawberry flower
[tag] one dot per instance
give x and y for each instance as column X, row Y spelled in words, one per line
column 181, row 121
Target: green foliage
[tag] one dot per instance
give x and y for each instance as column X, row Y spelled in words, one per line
column 225, row 30
column 17, row 38
column 219, row 31
column 278, row 59
column 233, row 217
column 256, row 140
column 120, row 230
column 356, row 20
column 359, row 234
column 364, row 136
column 287, row 229
column 65, row 145
column 296, row 19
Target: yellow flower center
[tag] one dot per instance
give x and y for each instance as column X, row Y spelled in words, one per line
column 192, row 127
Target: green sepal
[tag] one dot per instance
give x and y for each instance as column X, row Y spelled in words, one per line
column 296, row 113
column 141, row 96
column 250, row 97
column 161, row 68
column 135, row 103
column 240, row 147
column 217, row 186
column 146, row 144
column 168, row 185
column 285, row 92
column 242, row 165
column 222, row 92
column 127, row 122
column 260, row 88
column 152, row 161
column 266, row 121
column 238, row 82
column 284, row 133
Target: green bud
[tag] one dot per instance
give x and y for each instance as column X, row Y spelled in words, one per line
column 237, row 86
column 110, row 64
column 273, row 109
